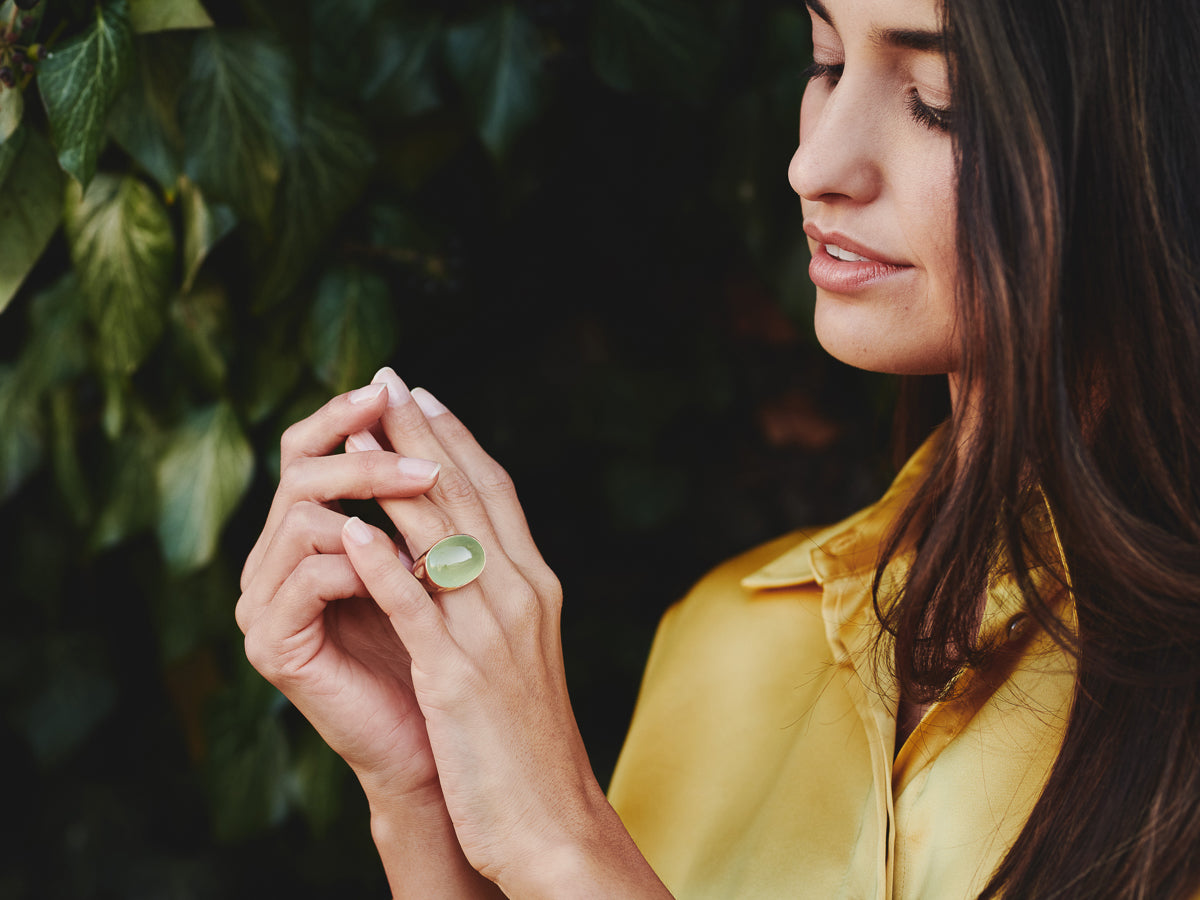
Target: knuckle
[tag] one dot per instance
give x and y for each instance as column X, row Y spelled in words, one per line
column 549, row 587
column 292, row 472
column 241, row 614
column 299, row 521
column 370, row 465
column 527, row 600
column 454, row 489
column 409, row 418
column 305, row 579
column 259, row 654
column 290, row 441
column 495, row 481
column 452, row 431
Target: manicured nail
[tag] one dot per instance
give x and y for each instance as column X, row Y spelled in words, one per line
column 397, row 390
column 357, row 531
column 418, row 468
column 362, row 440
column 366, row 394
column 429, row 404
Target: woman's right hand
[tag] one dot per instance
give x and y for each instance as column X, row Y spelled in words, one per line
column 312, row 630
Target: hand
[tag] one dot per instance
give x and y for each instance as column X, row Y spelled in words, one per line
column 488, row 675
column 308, row 628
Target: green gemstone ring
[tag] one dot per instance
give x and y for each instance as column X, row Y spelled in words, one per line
column 451, row 563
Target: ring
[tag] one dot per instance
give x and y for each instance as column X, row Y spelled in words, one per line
column 449, row 564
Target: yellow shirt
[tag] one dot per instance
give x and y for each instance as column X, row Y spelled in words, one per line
column 759, row 762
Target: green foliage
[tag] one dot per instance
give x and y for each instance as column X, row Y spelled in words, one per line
column 29, row 194
column 146, row 16
column 123, row 249
column 203, row 473
column 238, row 112
column 497, row 61
column 79, row 81
column 567, row 218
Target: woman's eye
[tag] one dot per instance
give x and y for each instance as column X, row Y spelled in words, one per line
column 934, row 117
column 823, row 70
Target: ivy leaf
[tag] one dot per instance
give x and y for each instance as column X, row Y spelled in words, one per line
column 325, row 170
column 204, row 471
column 20, row 431
column 123, row 249
column 68, row 471
column 653, row 44
column 273, row 372
column 204, row 225
column 247, row 756
column 200, row 327
column 79, row 81
column 166, row 15
column 30, row 200
column 131, row 498
column 403, row 78
column 353, row 327
column 497, row 62
column 56, row 351
column 140, row 122
column 12, row 109
column 238, row 112
column 74, row 693
column 315, row 785
column 194, row 611
column 10, row 149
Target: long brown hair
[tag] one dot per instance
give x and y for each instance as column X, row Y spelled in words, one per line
column 1077, row 130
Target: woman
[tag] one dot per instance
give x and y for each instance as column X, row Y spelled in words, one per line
column 989, row 682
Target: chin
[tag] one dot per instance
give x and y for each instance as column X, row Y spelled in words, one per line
column 887, row 350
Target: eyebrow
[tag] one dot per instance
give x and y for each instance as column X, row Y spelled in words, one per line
column 918, row 39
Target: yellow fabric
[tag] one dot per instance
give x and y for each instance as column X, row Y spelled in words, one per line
column 759, row 762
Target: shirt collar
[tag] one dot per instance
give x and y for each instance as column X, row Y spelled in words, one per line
column 851, row 546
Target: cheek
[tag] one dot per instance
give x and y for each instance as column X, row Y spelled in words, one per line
column 931, row 220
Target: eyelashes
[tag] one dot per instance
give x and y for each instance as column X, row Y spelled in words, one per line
column 936, row 118
column 823, row 70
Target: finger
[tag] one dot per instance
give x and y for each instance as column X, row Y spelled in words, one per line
column 279, row 644
column 408, row 432
column 491, row 482
column 325, row 479
column 307, row 529
column 318, row 435
column 417, row 620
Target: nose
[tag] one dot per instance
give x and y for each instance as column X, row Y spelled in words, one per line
column 841, row 145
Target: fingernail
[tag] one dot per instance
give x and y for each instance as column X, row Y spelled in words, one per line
column 366, row 394
column 362, row 440
column 357, row 531
column 418, row 468
column 397, row 390
column 430, row 405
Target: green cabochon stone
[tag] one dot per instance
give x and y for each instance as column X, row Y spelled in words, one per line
column 454, row 561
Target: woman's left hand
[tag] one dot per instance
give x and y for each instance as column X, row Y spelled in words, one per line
column 488, row 673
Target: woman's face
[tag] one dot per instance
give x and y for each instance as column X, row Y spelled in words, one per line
column 875, row 174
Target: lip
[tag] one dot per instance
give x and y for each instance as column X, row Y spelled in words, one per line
column 848, row 276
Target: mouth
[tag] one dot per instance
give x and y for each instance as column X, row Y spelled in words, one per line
column 842, row 265
column 843, row 254
column 843, row 247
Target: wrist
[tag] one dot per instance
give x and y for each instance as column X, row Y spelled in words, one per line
column 418, row 846
column 592, row 857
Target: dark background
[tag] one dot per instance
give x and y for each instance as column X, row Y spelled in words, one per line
column 601, row 272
